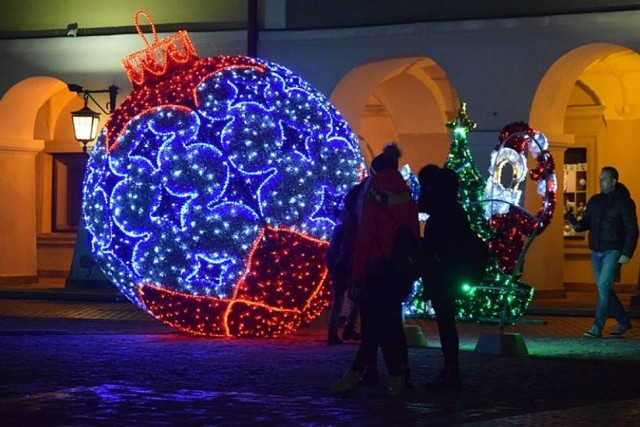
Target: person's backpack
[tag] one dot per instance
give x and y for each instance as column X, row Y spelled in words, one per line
column 406, row 253
column 474, row 256
column 407, row 256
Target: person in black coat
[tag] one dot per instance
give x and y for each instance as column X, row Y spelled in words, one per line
column 445, row 232
column 613, row 234
column 339, row 257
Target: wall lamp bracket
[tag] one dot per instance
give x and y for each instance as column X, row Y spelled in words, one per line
column 85, row 121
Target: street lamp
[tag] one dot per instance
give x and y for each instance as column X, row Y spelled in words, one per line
column 85, row 121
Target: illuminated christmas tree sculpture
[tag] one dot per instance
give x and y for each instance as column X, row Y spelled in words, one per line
column 472, row 182
column 213, row 188
column 494, row 214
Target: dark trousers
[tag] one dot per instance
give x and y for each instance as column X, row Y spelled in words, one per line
column 338, row 290
column 445, row 308
column 381, row 325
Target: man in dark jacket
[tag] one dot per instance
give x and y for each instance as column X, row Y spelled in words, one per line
column 613, row 234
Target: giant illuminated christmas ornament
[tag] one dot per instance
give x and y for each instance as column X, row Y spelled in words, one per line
column 213, row 188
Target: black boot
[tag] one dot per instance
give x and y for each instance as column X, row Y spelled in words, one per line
column 342, row 320
column 370, row 377
column 406, row 375
column 447, row 380
column 333, row 338
column 349, row 333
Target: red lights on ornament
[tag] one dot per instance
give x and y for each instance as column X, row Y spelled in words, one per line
column 281, row 290
column 178, row 88
column 156, row 58
column 180, row 123
column 166, row 72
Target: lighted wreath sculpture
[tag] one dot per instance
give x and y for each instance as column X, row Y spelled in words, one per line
column 511, row 223
column 213, row 189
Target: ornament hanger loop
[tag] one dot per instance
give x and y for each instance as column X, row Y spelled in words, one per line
column 157, row 57
column 153, row 27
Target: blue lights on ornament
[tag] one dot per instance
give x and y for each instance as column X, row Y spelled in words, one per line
column 189, row 186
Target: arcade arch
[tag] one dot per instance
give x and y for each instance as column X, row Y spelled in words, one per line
column 408, row 100
column 588, row 104
column 34, row 123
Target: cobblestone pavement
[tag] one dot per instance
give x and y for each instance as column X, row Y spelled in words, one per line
column 93, row 363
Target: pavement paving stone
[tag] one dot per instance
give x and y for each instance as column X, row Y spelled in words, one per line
column 95, row 363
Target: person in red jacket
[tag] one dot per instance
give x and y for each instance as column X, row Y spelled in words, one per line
column 387, row 206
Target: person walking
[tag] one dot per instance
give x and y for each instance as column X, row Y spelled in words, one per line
column 610, row 218
column 387, row 207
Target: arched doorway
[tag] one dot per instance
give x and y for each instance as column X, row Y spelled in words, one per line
column 34, row 124
column 588, row 104
column 408, row 100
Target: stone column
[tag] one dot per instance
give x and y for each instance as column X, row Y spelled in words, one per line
column 18, row 252
column 543, row 267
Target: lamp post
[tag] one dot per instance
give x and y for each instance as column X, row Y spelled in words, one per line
column 85, row 121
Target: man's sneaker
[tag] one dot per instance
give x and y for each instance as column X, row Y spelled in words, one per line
column 593, row 333
column 620, row 329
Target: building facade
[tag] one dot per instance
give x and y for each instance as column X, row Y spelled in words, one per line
column 395, row 73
